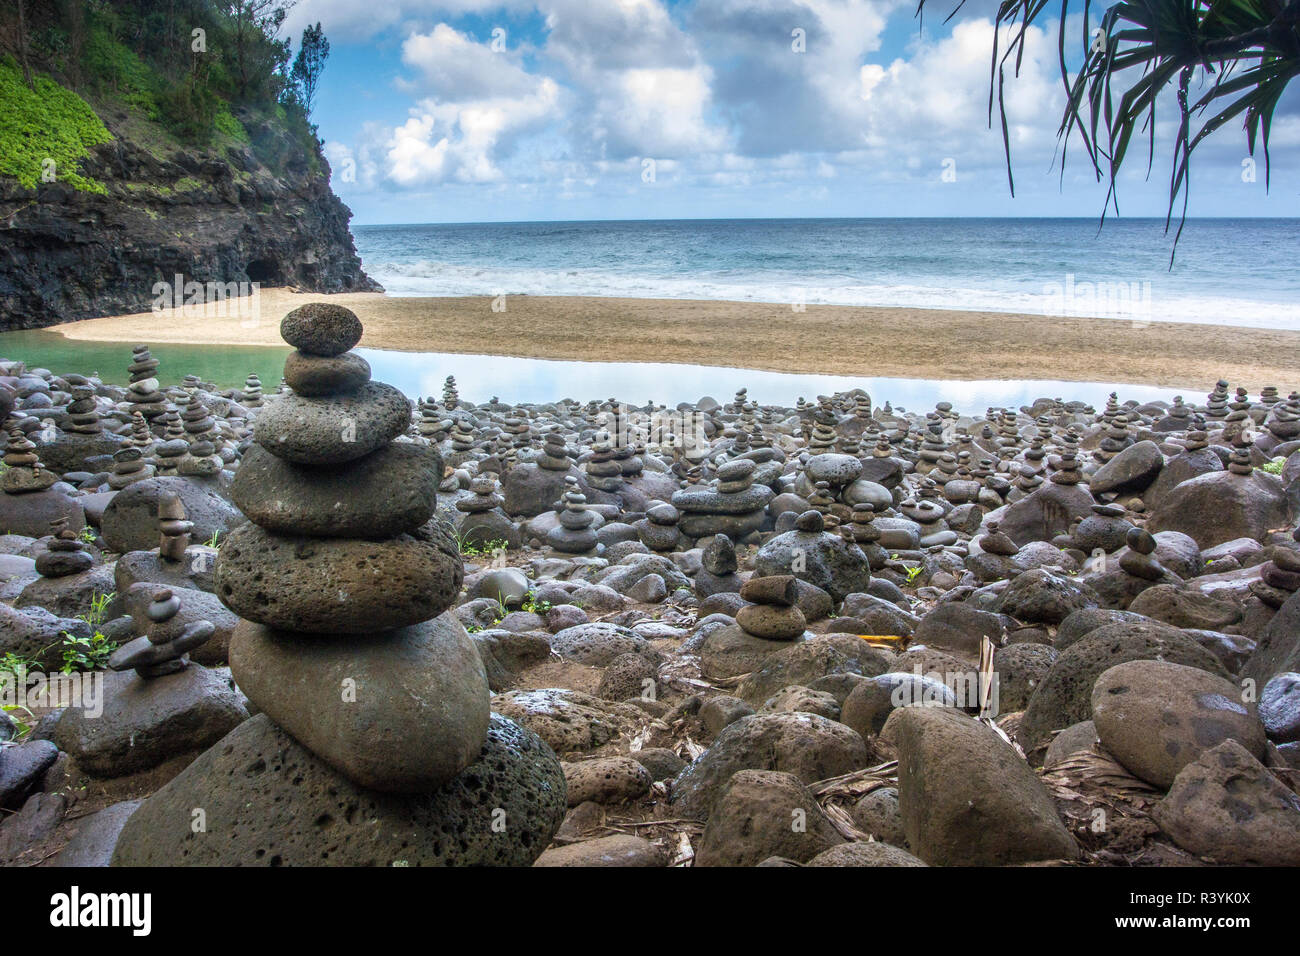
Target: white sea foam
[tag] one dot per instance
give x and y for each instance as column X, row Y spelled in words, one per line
column 1159, row 299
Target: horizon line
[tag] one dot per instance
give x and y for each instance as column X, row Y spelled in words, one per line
column 556, row 222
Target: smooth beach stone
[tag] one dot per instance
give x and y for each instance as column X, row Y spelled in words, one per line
column 415, row 710
column 145, row 722
column 338, row 585
column 313, row 375
column 1228, row 807
column 391, row 491
column 321, row 328
column 270, row 802
column 332, row 430
column 1156, row 717
column 967, row 798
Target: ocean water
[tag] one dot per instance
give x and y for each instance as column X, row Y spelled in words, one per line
column 1227, row 271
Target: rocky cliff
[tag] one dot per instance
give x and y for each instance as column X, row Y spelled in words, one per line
column 251, row 206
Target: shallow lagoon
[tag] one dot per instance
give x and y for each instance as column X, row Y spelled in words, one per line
column 515, row 380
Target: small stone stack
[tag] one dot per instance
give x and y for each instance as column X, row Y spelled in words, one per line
column 24, row 472
column 66, row 554
column 1138, row 560
column 450, row 397
column 658, row 529
column 1280, row 575
column 823, row 435
column 202, row 460
column 142, row 392
column 141, row 437
column 603, row 472
column 462, row 442
column 129, row 466
column 1067, row 467
column 1239, row 462
column 173, row 529
column 251, row 397
column 718, row 565
column 1284, row 421
column 483, row 521
column 164, row 648
column 574, row 534
column 169, row 452
column 735, row 508
column 1216, row 404
column 432, row 425
column 772, row 613
column 83, row 414
column 1115, row 440
column 862, row 531
column 554, row 455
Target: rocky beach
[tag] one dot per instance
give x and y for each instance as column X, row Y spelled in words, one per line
column 321, row 622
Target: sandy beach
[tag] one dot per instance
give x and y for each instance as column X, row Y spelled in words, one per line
column 832, row 340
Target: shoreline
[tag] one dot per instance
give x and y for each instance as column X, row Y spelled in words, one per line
column 873, row 342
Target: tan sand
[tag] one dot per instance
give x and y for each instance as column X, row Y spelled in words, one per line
column 831, row 340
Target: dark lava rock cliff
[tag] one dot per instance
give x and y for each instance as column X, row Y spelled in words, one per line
column 238, row 210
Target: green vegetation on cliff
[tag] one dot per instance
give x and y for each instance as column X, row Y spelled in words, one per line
column 45, row 130
column 203, row 74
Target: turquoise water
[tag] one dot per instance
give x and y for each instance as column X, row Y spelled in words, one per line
column 1227, row 271
column 480, row 377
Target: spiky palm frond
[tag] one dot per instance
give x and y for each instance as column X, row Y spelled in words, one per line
column 1249, row 50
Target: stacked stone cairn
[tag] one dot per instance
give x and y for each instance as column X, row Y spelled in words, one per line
column 483, row 521
column 1139, row 559
column 574, row 534
column 23, row 472
column 173, row 529
column 1280, row 575
column 658, row 529
column 772, row 612
column 142, row 390
column 65, row 554
column 251, row 397
column 734, row 508
column 164, row 648
column 374, row 744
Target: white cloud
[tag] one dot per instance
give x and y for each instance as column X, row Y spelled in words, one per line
column 476, row 104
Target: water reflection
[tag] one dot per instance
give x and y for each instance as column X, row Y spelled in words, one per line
column 480, row 377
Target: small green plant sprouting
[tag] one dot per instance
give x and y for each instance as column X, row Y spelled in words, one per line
column 913, row 573
column 87, row 535
column 214, row 541
column 534, row 606
column 469, row 550
column 98, row 610
column 1274, row 467
column 86, row 653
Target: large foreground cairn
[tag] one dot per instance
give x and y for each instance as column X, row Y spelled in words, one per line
column 374, row 702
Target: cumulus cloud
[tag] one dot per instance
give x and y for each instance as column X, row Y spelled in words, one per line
column 724, row 94
column 476, row 102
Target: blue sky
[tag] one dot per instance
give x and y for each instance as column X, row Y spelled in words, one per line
column 469, row 111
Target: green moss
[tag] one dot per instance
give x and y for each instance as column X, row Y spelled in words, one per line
column 187, row 184
column 48, row 124
column 228, row 125
column 115, row 68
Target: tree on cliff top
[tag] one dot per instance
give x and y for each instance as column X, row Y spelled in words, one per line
column 1240, row 54
column 309, row 64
